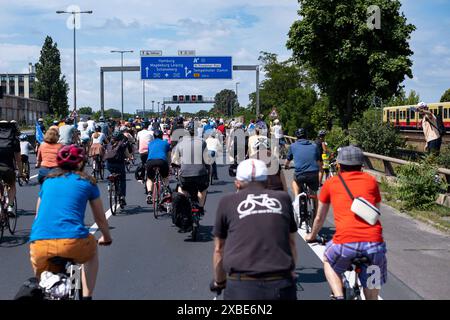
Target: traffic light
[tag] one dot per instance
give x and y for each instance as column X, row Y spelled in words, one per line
column 187, row 98
column 181, row 98
column 174, row 98
column 200, row 98
column 194, row 98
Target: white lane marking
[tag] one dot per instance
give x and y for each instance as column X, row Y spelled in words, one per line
column 32, row 177
column 319, row 250
column 94, row 228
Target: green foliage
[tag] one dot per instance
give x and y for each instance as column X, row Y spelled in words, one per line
column 336, row 138
column 443, row 160
column 402, row 100
column 351, row 63
column 417, row 185
column 225, row 102
column 446, row 96
column 321, row 116
column 85, row 110
column 51, row 86
column 376, row 137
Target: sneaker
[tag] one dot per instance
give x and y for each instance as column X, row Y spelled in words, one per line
column 149, row 199
column 122, row 202
column 11, row 212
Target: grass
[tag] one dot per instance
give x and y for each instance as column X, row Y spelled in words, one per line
column 437, row 216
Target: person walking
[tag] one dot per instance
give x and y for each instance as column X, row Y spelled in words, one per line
column 430, row 129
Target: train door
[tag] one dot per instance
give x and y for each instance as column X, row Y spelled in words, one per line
column 408, row 117
column 388, row 116
column 397, row 117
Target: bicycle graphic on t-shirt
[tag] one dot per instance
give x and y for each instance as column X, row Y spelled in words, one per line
column 248, row 206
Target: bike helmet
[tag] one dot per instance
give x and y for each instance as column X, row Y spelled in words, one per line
column 101, row 119
column 123, row 128
column 117, row 135
column 69, row 157
column 322, row 133
column 158, row 134
column 40, row 120
column 300, row 133
column 55, row 122
column 68, row 121
column 23, row 137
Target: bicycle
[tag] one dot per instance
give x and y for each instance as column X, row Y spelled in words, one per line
column 70, row 278
column 24, row 176
column 351, row 292
column 98, row 167
column 114, row 192
column 195, row 214
column 158, row 189
column 129, row 163
column 306, row 212
column 6, row 221
column 333, row 168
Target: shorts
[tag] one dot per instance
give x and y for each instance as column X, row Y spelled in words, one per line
column 8, row 175
column 79, row 250
column 311, row 179
column 144, row 157
column 194, row 184
column 24, row 158
column 340, row 255
column 157, row 163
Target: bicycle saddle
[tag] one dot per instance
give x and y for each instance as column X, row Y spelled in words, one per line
column 60, row 261
column 113, row 176
column 361, row 260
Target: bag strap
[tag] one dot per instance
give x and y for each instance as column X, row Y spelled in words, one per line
column 346, row 187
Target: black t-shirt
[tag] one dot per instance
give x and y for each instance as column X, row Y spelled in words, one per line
column 256, row 224
column 319, row 145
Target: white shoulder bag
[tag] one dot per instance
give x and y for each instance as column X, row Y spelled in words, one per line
column 362, row 208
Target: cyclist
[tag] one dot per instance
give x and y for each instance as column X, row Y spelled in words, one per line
column 9, row 159
column 98, row 139
column 130, row 139
column 193, row 174
column 354, row 237
column 85, row 136
column 104, row 126
column 307, row 163
column 47, row 153
column 158, row 150
column 91, row 124
column 324, row 155
column 67, row 133
column 276, row 136
column 116, row 152
column 256, row 140
column 255, row 239
column 25, row 149
column 59, row 229
column 214, row 148
column 143, row 138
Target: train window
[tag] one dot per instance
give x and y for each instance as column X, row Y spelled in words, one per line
column 445, row 113
column 413, row 115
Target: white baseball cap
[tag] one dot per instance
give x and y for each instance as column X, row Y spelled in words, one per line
column 251, row 170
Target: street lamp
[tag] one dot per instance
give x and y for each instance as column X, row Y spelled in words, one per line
column 74, row 13
column 143, row 96
column 153, row 106
column 121, row 55
column 158, row 109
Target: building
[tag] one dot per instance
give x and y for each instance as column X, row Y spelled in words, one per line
column 19, row 85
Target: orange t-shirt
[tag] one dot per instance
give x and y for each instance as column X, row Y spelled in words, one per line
column 47, row 154
column 349, row 227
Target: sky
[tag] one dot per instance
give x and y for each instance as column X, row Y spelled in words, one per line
column 237, row 28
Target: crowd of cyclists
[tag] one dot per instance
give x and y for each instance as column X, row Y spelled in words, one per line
column 194, row 147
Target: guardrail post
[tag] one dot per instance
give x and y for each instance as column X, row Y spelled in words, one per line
column 368, row 163
column 388, row 169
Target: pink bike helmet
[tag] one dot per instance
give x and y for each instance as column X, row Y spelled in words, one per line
column 69, row 157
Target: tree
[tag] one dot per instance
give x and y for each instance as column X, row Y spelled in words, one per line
column 401, row 99
column 51, row 86
column 85, row 110
column 224, row 102
column 351, row 63
column 170, row 113
column 446, row 96
column 178, row 110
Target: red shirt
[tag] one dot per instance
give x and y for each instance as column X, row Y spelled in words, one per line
column 349, row 227
column 221, row 128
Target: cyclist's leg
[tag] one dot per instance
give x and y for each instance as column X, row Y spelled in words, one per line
column 297, row 184
column 150, row 176
column 373, row 280
column 334, row 279
column 9, row 177
column 202, row 186
column 123, row 180
column 89, row 275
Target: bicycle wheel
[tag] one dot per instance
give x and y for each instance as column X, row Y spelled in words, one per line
column 2, row 223
column 27, row 173
column 156, row 196
column 101, row 169
column 112, row 198
column 19, row 180
column 12, row 221
column 311, row 214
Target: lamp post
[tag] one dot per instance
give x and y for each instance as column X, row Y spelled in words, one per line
column 153, row 106
column 143, row 96
column 74, row 13
column 121, row 55
column 158, row 109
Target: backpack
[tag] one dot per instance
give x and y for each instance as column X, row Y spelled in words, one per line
column 181, row 211
column 30, row 290
column 112, row 153
column 9, row 137
column 440, row 126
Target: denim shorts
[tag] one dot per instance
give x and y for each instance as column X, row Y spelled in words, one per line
column 340, row 255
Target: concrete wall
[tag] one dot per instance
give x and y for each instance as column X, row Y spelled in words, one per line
column 22, row 110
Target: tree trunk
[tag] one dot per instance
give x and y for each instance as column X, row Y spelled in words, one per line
column 348, row 111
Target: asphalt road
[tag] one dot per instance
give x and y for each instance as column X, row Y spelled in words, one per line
column 150, row 259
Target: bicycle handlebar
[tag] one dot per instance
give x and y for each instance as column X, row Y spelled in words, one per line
column 319, row 239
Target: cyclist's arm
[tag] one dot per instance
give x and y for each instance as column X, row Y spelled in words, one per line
column 38, row 203
column 320, row 219
column 100, row 218
column 219, row 273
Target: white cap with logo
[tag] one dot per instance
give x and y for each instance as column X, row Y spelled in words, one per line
column 251, row 170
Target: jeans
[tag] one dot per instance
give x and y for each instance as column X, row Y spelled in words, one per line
column 119, row 168
column 285, row 289
column 212, row 154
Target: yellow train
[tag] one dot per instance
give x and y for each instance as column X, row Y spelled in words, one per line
column 405, row 118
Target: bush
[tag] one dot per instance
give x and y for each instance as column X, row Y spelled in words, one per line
column 376, row 137
column 336, row 138
column 443, row 160
column 418, row 185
